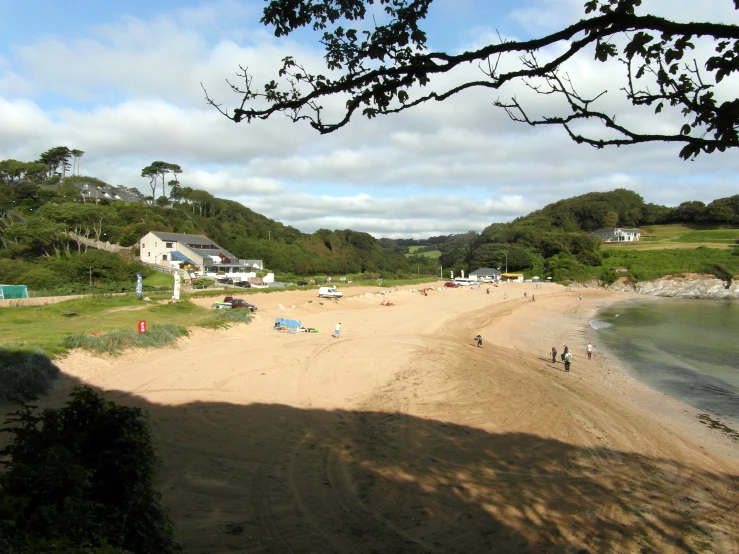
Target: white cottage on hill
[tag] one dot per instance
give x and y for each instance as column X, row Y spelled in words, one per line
column 617, row 234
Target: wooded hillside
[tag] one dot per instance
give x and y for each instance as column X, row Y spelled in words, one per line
column 42, row 209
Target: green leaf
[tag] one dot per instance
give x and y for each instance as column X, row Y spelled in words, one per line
column 685, row 129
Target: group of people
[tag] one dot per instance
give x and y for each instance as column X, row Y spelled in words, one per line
column 567, row 355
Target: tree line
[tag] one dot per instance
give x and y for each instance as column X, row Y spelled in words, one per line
column 44, row 218
column 555, row 241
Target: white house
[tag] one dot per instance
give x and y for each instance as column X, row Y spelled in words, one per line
column 196, row 253
column 617, row 234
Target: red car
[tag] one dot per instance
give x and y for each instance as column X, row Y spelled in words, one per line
column 450, row 284
column 239, row 303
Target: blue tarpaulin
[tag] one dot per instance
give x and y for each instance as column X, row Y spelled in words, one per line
column 13, row 291
column 290, row 323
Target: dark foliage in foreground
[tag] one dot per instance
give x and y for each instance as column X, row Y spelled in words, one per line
column 81, row 479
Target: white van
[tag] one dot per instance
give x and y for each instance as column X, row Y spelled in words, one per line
column 465, row 282
column 329, row 292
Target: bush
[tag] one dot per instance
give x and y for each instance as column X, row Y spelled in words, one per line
column 115, row 341
column 202, row 282
column 82, row 477
column 222, row 318
column 24, row 371
column 40, row 278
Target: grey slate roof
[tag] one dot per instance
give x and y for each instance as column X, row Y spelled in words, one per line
column 195, row 240
column 613, row 229
column 183, row 238
column 485, row 272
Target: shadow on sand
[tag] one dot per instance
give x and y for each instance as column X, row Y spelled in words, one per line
column 268, row 478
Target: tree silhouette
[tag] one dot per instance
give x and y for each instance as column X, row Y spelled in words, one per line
column 389, row 70
column 76, row 155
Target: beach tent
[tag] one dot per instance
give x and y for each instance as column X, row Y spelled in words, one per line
column 8, row 292
column 290, row 325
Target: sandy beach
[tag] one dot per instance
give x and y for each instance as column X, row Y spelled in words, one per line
column 402, row 436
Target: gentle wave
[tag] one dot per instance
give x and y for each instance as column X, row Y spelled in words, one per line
column 598, row 324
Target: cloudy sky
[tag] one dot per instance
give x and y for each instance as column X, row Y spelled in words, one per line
column 122, row 81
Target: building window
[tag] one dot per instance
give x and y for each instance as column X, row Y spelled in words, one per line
column 168, row 245
column 143, row 245
column 156, row 244
column 148, row 254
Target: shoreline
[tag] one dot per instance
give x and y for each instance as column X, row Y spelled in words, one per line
column 607, row 373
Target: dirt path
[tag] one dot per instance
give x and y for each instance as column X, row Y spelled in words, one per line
column 402, row 436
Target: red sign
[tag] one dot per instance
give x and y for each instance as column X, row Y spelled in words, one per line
column 142, row 326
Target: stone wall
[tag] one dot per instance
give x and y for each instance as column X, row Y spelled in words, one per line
column 39, row 301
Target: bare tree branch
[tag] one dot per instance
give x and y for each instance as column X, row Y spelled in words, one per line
column 379, row 72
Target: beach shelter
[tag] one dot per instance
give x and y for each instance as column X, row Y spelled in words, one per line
column 287, row 325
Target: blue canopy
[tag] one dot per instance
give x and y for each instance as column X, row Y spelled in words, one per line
column 282, row 322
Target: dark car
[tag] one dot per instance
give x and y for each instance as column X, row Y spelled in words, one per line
column 239, row 303
column 225, row 280
column 450, row 284
column 302, row 283
column 243, row 284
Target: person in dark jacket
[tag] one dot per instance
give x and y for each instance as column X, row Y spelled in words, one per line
column 565, row 351
column 554, row 354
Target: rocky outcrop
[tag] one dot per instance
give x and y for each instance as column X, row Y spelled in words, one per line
column 687, row 285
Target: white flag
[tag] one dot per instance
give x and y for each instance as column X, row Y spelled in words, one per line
column 176, row 286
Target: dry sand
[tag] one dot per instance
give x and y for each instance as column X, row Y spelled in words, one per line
column 402, row 437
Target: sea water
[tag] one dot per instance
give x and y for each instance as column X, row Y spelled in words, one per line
column 688, row 349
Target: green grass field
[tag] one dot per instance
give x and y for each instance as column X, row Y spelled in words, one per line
column 412, row 250
column 651, row 264
column 668, row 237
column 159, row 279
column 47, row 326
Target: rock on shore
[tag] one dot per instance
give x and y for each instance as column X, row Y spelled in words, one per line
column 687, row 285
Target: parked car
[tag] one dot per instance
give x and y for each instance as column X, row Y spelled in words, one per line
column 329, row 292
column 453, row 285
column 239, row 303
column 231, row 302
column 243, row 284
column 225, row 280
column 302, row 283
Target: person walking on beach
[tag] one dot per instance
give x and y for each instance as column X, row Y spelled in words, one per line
column 487, row 291
column 337, row 330
column 589, row 350
column 533, row 298
column 565, row 351
column 554, row 354
column 581, row 297
column 478, row 340
column 567, row 357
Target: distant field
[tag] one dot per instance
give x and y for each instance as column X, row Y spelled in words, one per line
column 664, row 237
column 434, row 254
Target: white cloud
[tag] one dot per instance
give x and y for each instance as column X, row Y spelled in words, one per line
column 129, row 93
